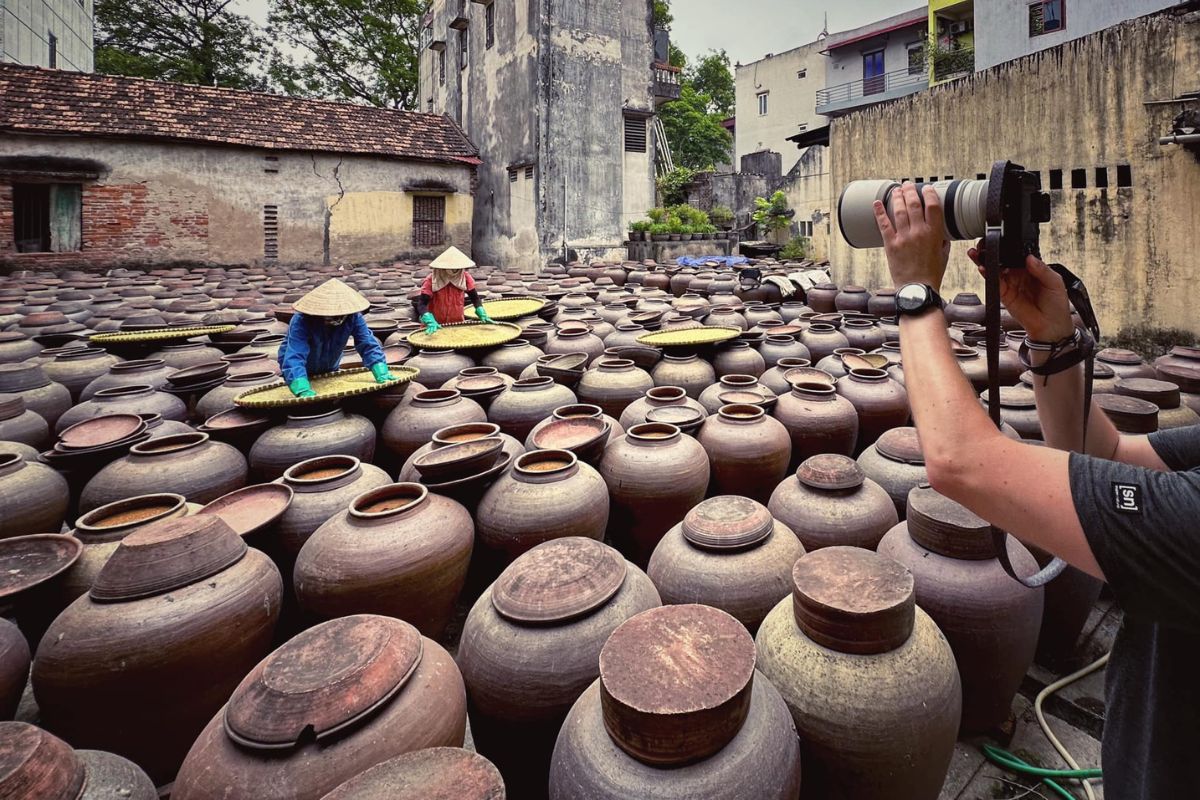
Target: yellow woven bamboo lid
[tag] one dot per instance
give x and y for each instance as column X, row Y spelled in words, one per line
column 330, row 386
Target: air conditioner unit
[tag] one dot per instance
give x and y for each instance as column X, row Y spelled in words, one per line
column 959, row 27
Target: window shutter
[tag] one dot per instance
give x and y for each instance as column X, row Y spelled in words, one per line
column 635, row 134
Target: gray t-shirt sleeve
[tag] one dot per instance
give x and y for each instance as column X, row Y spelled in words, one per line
column 1179, row 448
column 1143, row 526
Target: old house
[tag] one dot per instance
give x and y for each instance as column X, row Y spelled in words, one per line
column 560, row 99
column 97, row 171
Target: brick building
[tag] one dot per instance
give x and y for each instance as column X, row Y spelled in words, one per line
column 99, row 171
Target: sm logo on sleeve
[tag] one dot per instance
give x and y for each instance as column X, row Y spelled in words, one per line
column 1127, row 498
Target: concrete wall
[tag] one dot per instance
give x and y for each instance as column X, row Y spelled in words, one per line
column 26, row 25
column 1082, row 106
column 808, row 189
column 791, row 101
column 157, row 203
column 1002, row 26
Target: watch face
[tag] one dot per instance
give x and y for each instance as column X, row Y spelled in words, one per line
column 911, row 297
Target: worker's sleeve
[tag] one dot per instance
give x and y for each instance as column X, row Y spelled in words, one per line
column 365, row 343
column 293, row 352
column 473, row 296
column 425, row 296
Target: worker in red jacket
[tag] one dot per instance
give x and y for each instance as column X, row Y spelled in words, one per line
column 441, row 299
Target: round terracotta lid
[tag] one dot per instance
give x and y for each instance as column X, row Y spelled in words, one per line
column 11, row 405
column 1161, row 393
column 559, row 580
column 675, row 683
column 26, row 561
column 1186, row 378
column 682, row 417
column 830, row 472
column 37, row 764
column 901, row 444
column 947, row 528
column 1129, row 414
column 437, row 773
column 853, row 600
column 167, row 555
column 728, row 522
column 251, row 508
column 1118, row 355
column 322, row 681
column 101, row 431
column 1019, row 396
column 1099, row 370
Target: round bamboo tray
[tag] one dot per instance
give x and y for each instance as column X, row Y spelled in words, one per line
column 330, row 386
column 689, row 337
column 466, row 336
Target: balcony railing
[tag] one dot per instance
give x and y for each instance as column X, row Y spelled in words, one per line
column 666, row 82
column 949, row 64
column 866, row 89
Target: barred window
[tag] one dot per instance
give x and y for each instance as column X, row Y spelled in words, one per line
column 489, row 17
column 635, row 134
column 429, row 216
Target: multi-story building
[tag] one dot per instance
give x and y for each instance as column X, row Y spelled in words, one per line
column 776, row 99
column 47, row 33
column 560, row 98
column 873, row 63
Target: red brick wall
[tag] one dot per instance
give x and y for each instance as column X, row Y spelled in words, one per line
column 122, row 224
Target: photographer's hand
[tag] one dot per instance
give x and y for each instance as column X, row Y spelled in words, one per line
column 915, row 243
column 1036, row 297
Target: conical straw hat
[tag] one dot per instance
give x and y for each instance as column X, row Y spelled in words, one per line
column 331, row 299
column 452, row 258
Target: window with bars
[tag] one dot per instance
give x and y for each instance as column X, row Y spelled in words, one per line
column 512, row 175
column 635, row 134
column 462, row 48
column 489, row 19
column 529, row 173
column 1046, row 16
column 442, row 67
column 271, row 233
column 47, row 217
column 429, row 217
column 53, row 41
column 801, row 74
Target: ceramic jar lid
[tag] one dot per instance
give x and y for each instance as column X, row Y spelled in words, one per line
column 727, row 522
column 251, row 508
column 830, row 472
column 1161, row 393
column 675, row 683
column 167, row 555
column 436, row 773
column 1019, row 396
column 1129, row 414
column 1186, row 378
column 681, row 417
column 27, row 561
column 325, row 679
column 559, row 580
column 901, row 444
column 1117, row 355
column 947, row 528
column 21, row 376
column 34, row 763
column 853, row 600
column 11, row 405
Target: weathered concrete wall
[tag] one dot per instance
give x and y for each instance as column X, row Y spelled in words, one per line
column 791, row 101
column 1086, row 105
column 170, row 202
column 26, row 25
column 808, row 189
column 1002, row 26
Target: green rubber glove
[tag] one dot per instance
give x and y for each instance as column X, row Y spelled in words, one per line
column 300, row 388
column 482, row 315
column 381, row 373
column 431, row 324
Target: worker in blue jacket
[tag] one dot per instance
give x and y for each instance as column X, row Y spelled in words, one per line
column 325, row 319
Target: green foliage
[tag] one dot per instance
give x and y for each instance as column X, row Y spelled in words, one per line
column 689, row 214
column 659, row 229
column 657, row 214
column 189, row 41
column 696, row 136
column 1148, row 340
column 672, row 186
column 675, row 56
column 773, row 214
column 662, row 14
column 721, row 214
column 796, row 249
column 712, row 77
column 365, row 51
column 641, row 226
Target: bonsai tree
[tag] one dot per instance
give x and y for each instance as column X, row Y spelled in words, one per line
column 721, row 215
column 795, row 250
column 773, row 215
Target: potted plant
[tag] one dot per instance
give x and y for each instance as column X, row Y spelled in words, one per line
column 675, row 228
column 685, row 233
column 660, row 232
column 639, row 229
column 721, row 216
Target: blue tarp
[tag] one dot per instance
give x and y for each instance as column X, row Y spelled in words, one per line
column 700, row 261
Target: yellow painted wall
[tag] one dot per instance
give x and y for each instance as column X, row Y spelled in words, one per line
column 364, row 224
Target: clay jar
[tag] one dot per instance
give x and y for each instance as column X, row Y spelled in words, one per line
column 966, row 307
column 575, row 340
column 658, row 397
column 881, row 403
column 680, row 712
column 42, row 396
column 834, row 650
column 435, row 773
column 439, row 366
column 738, row 358
column 512, row 357
column 748, row 451
column 125, row 400
column 1018, row 408
column 818, row 420
column 328, row 433
column 221, row 398
column 333, row 701
column 398, row 551
column 830, row 501
column 187, row 354
column 774, row 378
column 821, row 339
column 531, row 644
column 78, row 367
column 33, row 497
column 822, row 298
column 175, row 619
column 548, row 494
column 37, row 764
column 774, row 348
column 990, row 620
column 189, row 464
column 728, row 553
column 1125, row 363
column 689, row 372
column 1171, row 413
column 14, row 668
column 19, row 424
column 16, row 347
column 896, row 463
column 710, row 398
column 409, row 425
column 655, row 475
column 863, row 333
column 526, row 403
column 151, row 372
column 612, row 384
column 852, row 298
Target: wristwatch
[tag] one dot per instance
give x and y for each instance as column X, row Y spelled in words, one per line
column 914, row 299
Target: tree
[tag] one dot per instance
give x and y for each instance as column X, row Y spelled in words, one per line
column 773, row 215
column 365, row 51
column 711, row 76
column 696, row 136
column 190, row 41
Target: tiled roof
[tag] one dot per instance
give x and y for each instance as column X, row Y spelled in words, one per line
column 57, row 102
